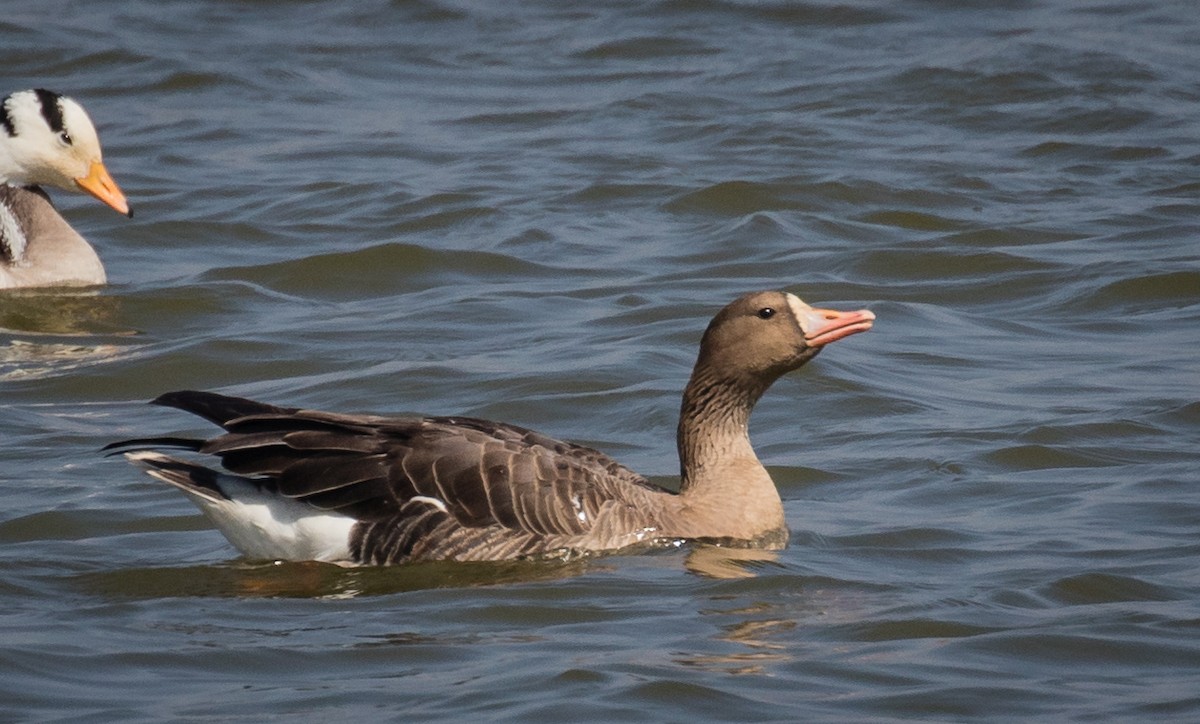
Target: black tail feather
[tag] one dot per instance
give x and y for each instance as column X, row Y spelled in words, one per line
column 186, row 476
column 152, row 443
column 217, row 409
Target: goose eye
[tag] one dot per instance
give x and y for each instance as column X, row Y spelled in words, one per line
column 766, row 313
column 65, row 138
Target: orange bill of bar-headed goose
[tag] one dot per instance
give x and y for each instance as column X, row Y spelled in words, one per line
column 47, row 139
column 362, row 489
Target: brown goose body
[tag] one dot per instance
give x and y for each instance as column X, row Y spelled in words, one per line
column 302, row 484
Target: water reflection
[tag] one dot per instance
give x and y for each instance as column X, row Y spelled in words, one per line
column 758, row 631
column 724, row 562
column 62, row 312
column 24, row 360
column 281, row 579
column 242, row 579
column 46, row 333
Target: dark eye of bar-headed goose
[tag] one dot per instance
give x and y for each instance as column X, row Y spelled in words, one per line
column 362, row 489
column 47, row 139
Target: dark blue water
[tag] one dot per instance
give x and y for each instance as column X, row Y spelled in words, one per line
column 529, row 213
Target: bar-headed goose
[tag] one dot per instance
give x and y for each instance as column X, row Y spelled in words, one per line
column 359, row 489
column 48, row 140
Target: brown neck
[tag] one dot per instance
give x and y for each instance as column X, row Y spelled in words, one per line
column 723, row 484
column 714, row 423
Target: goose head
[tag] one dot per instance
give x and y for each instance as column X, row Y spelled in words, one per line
column 47, row 139
column 764, row 335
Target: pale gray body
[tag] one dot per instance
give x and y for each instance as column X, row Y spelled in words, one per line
column 38, row 247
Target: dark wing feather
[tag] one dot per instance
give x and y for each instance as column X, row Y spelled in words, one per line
column 504, row 487
column 329, row 440
column 152, row 443
column 217, row 409
column 322, row 472
column 375, row 493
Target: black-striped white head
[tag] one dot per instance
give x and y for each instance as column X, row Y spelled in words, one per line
column 48, row 139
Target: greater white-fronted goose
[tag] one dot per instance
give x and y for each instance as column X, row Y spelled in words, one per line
column 48, row 140
column 358, row 489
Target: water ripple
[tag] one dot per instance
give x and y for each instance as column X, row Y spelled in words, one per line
column 530, row 212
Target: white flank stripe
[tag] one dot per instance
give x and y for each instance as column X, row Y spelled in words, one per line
column 12, row 236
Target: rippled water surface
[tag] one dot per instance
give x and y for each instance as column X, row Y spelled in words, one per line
column 529, row 212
